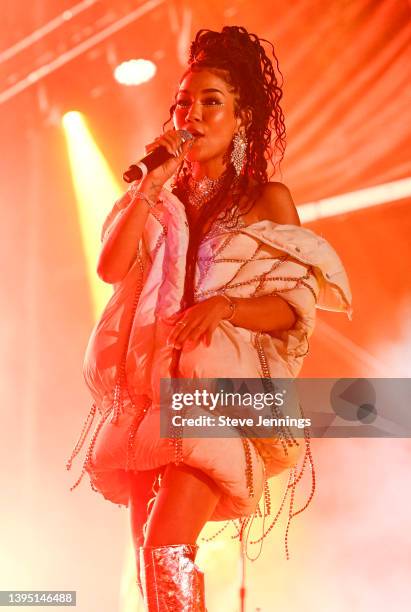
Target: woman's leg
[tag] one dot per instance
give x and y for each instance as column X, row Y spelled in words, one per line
column 141, row 493
column 185, row 502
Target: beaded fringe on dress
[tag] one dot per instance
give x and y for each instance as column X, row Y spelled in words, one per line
column 141, row 405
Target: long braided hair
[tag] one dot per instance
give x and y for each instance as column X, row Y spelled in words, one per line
column 240, row 59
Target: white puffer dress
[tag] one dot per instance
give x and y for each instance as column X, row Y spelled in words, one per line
column 127, row 352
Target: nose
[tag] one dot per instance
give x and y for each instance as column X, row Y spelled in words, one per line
column 193, row 112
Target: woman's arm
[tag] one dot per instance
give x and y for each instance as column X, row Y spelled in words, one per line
column 120, row 244
column 270, row 313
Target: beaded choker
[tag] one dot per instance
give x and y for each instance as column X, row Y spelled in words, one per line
column 200, row 192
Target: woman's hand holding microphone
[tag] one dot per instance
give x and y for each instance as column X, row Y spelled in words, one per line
column 155, row 179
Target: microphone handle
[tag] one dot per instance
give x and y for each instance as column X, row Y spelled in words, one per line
column 155, row 159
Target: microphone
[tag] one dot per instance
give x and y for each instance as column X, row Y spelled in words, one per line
column 153, row 160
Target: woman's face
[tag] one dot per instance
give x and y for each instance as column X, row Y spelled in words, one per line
column 205, row 104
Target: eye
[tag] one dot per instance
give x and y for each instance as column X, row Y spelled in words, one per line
column 182, row 103
column 212, row 101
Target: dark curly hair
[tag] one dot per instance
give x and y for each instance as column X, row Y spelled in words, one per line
column 239, row 58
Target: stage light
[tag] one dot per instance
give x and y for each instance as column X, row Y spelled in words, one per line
column 96, row 190
column 72, row 120
column 135, row 72
column 355, row 200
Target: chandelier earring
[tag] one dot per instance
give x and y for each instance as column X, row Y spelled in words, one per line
column 238, row 154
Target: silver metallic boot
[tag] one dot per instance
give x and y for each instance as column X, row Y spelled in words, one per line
column 171, row 581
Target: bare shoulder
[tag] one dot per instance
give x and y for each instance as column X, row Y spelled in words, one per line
column 276, row 204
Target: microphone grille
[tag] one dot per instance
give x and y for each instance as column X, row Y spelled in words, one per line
column 185, row 135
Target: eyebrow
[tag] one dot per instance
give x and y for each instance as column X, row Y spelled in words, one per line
column 202, row 91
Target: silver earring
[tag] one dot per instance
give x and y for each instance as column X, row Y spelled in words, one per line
column 238, row 154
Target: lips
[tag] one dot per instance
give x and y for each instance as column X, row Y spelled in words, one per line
column 195, row 133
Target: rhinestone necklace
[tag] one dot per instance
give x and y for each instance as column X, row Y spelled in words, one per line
column 200, row 192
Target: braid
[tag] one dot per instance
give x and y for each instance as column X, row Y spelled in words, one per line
column 239, row 58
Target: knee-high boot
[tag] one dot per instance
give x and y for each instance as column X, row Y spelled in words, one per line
column 170, row 579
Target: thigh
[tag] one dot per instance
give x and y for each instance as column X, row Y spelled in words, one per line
column 185, row 502
column 142, row 494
